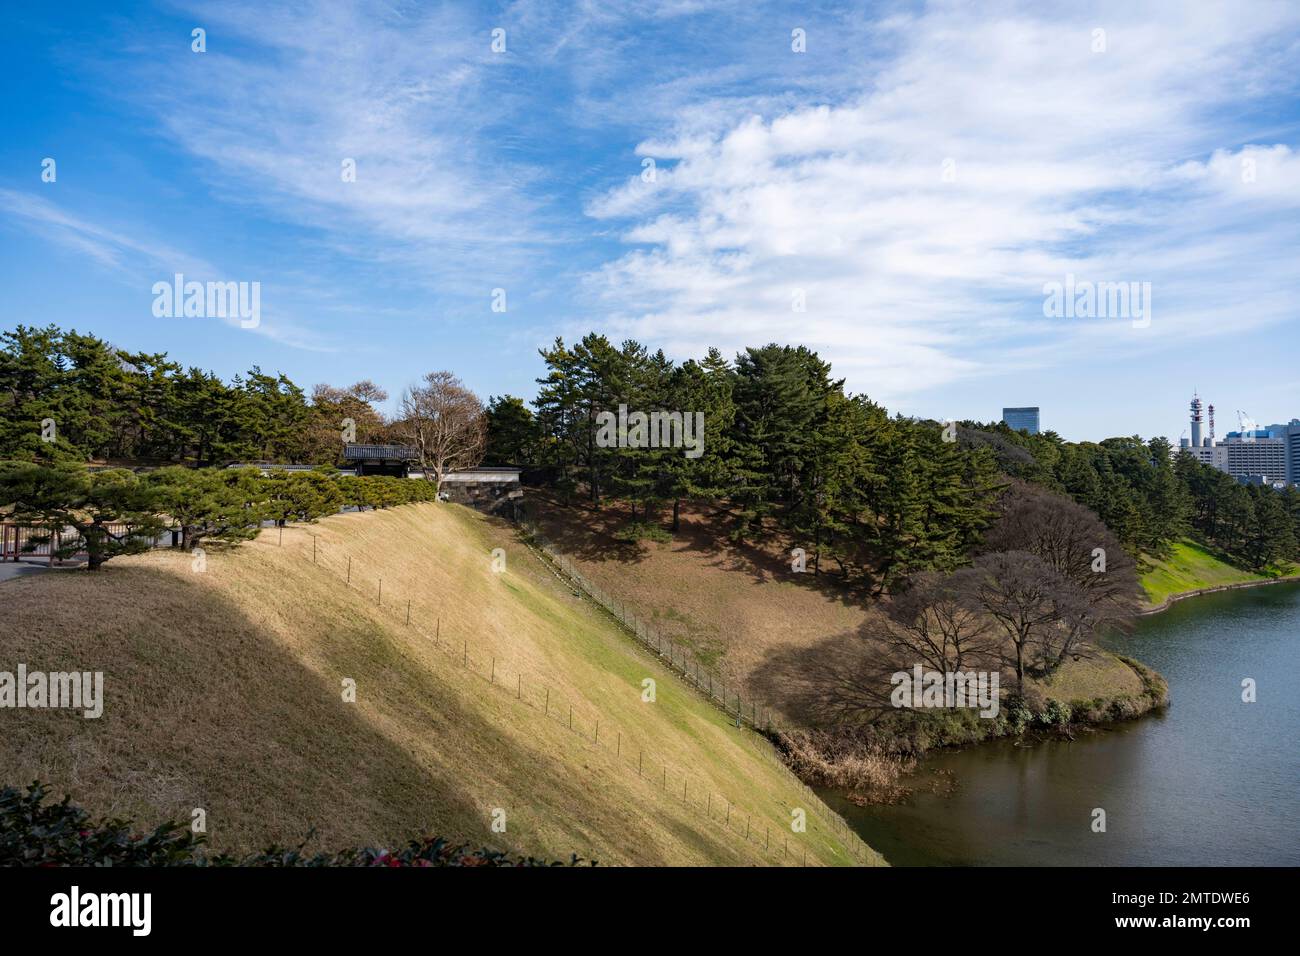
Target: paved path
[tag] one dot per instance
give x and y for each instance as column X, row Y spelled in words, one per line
column 17, row 569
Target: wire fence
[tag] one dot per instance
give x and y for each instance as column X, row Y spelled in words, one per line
column 778, row 843
column 749, row 713
column 708, row 681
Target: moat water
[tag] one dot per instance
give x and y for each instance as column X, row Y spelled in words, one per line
column 1212, row 781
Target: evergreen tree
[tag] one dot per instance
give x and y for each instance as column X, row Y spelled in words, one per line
column 512, row 432
column 207, row 505
column 66, row 495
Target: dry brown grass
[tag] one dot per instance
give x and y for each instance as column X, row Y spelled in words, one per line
column 739, row 608
column 772, row 633
column 865, row 771
column 223, row 692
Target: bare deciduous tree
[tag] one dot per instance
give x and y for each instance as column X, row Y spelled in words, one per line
column 445, row 423
column 1072, row 541
column 938, row 621
column 1036, row 607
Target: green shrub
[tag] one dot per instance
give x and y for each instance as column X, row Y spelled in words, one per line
column 642, row 531
column 34, row 832
column 1056, row 714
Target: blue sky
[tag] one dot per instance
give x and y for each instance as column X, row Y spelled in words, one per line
column 915, row 178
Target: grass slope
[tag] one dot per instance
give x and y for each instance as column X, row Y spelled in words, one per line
column 223, row 691
column 741, row 610
column 1190, row 567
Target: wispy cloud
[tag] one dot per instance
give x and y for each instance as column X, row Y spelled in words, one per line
column 412, row 97
column 110, row 248
column 986, row 155
column 139, row 263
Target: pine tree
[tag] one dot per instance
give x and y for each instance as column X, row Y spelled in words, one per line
column 66, row 495
column 512, row 432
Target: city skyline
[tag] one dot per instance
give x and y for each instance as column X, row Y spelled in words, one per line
column 905, row 188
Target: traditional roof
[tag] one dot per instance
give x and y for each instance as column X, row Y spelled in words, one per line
column 354, row 451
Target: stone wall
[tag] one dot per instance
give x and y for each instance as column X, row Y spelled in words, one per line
column 497, row 497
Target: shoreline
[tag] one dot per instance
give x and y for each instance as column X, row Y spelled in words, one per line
column 818, row 767
column 1173, row 599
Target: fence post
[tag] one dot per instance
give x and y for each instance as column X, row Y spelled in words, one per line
column 519, row 689
column 570, row 716
column 349, row 581
column 408, row 610
column 548, row 702
column 639, row 755
column 380, row 600
column 492, row 678
column 313, row 549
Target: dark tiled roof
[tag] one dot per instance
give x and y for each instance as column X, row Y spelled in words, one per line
column 358, row 452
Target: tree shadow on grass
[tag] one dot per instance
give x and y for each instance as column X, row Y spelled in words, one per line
column 839, row 680
column 582, row 532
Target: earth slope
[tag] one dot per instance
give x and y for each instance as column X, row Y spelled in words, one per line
column 224, row 690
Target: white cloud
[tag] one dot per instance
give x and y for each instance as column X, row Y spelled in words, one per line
column 1119, row 166
column 112, row 248
column 139, row 263
column 413, row 96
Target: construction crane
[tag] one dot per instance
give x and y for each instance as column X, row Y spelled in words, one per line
column 1245, row 423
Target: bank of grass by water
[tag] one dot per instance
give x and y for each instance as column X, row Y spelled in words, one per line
column 874, row 765
column 1192, row 568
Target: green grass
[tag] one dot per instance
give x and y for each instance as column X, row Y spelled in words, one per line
column 1190, row 567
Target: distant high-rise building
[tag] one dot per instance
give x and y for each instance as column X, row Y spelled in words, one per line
column 1022, row 419
column 1256, row 451
column 1290, row 435
column 1260, row 455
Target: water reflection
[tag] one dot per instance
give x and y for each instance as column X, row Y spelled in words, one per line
column 1213, row 781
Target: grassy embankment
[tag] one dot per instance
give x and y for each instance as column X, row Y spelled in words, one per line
column 768, row 631
column 223, row 691
column 1191, row 567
